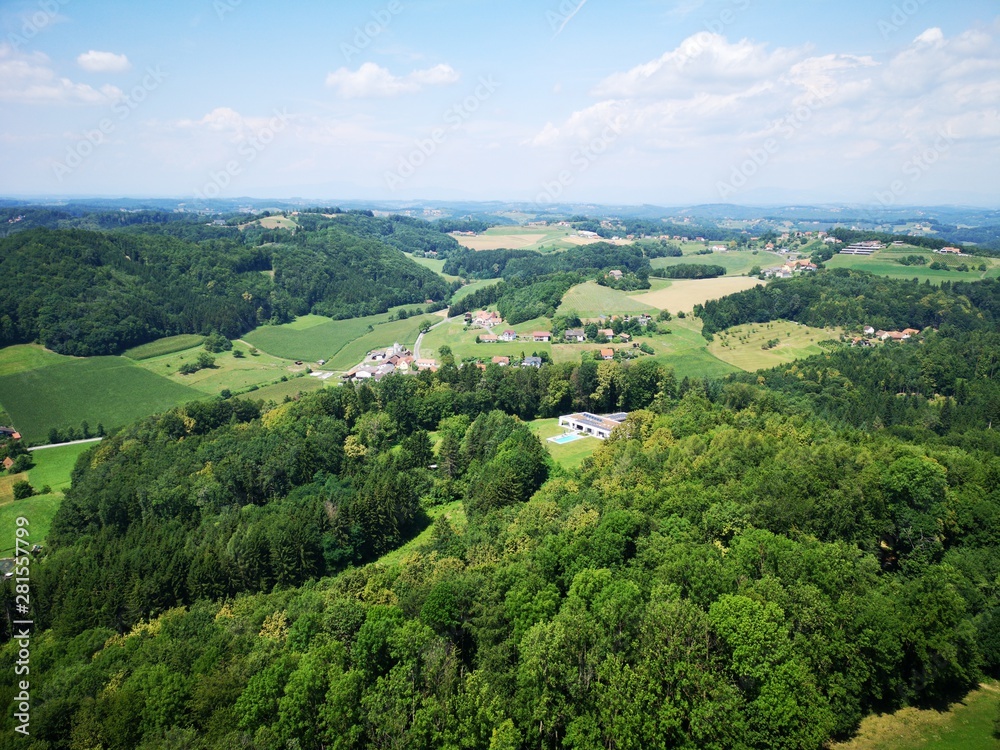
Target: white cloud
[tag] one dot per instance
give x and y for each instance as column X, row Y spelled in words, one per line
column 29, row 78
column 373, row 81
column 103, row 62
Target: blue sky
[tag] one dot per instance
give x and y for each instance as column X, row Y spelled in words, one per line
column 654, row 101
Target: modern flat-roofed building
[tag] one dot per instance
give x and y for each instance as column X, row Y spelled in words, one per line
column 600, row 426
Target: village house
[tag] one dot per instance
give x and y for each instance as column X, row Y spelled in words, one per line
column 869, row 331
column 10, row 432
column 541, row 336
column 502, row 361
column 575, row 334
column 616, row 275
column 488, row 338
column 911, row 331
column 607, row 354
column 8, row 462
column 508, row 335
column 532, row 362
column 487, row 319
column 624, row 337
column 427, row 364
column 950, row 251
column 607, row 332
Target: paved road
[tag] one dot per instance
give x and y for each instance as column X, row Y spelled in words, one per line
column 420, row 338
column 71, row 442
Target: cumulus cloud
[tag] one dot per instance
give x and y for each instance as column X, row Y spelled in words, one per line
column 373, row 81
column 103, row 62
column 29, row 78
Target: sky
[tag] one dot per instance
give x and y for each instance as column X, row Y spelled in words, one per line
column 666, row 102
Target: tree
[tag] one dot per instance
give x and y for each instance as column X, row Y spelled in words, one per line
column 22, row 490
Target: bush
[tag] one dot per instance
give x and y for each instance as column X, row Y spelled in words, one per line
column 22, row 463
column 238, row 354
column 22, row 490
column 216, row 343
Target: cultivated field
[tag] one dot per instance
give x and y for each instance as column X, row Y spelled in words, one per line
column 109, row 390
column 886, row 263
column 736, row 263
column 277, row 222
column 53, row 466
column 589, row 300
column 311, row 337
column 292, row 388
column 39, row 510
column 683, row 294
column 568, row 455
column 463, row 342
column 741, row 345
column 167, row 345
column 403, row 331
column 27, row 357
column 966, row 725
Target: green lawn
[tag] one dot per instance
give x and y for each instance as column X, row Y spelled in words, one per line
column 568, row 455
column 590, row 300
column 26, row 357
column 454, row 512
column 291, row 387
column 736, row 263
column 741, row 345
column 108, row 390
column 967, row 725
column 167, row 345
column 53, row 466
column 437, row 266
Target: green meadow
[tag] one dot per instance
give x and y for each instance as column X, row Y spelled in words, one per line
column 590, row 300
column 167, row 345
column 886, row 263
column 736, row 263
column 743, row 346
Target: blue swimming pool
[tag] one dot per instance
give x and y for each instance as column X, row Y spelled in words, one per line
column 569, row 437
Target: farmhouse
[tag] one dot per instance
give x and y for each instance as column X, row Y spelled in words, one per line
column 541, row 335
column 950, row 251
column 8, row 462
column 606, row 332
column 869, row 331
column 10, row 432
column 488, row 338
column 625, row 337
column 426, row 364
column 575, row 334
column 911, row 331
column 607, row 354
column 593, row 424
column 508, row 335
column 487, row 319
column 616, row 275
column 532, row 362
column 502, row 361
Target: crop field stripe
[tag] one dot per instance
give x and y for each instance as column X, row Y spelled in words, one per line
column 169, row 345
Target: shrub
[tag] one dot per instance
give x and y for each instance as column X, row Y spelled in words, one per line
column 22, row 490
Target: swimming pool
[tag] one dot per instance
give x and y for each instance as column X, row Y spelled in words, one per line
column 568, row 437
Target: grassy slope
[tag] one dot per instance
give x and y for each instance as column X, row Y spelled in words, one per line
column 475, row 286
column 589, row 300
column 53, row 466
column 684, row 294
column 885, row 263
column 26, row 357
column 797, row 342
column 435, row 265
column 463, row 343
column 109, row 390
column 229, row 372
column 454, row 512
column 735, row 262
column 967, row 725
column 403, row 331
column 291, row 387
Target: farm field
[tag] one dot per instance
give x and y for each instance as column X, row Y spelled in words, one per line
column 403, row 331
column 568, row 455
column 966, row 725
column 167, row 345
column 683, row 294
column 277, row 222
column 53, row 466
column 311, row 338
column 886, row 263
column 435, row 265
column 475, row 286
column 39, row 510
column 229, row 372
column 589, row 300
column 741, row 345
column 291, row 387
column 26, row 357
column 108, row 390
column 736, row 263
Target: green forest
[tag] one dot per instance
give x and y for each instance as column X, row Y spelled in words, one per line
column 747, row 563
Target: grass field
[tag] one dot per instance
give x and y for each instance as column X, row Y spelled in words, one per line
column 435, row 265
column 475, row 286
column 568, row 455
column 463, row 342
column 108, row 390
column 736, row 263
column 167, row 345
column 589, row 300
column 454, row 512
column 291, row 387
column 741, row 345
column 403, row 331
column 26, row 357
column 886, row 263
column 684, row 294
column 310, row 340
column 277, row 222
column 53, row 466
column 967, row 725
column 229, row 372
column 39, row 510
